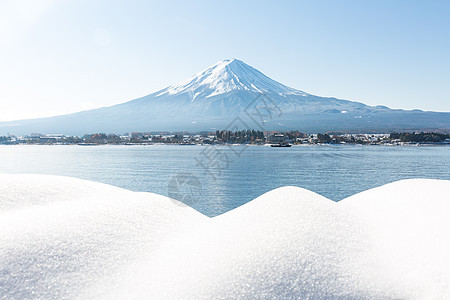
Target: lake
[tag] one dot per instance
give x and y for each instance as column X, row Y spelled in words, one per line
column 216, row 179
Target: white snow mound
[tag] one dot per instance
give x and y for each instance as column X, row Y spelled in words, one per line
column 66, row 238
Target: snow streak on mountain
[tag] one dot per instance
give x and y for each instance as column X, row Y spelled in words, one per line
column 227, row 76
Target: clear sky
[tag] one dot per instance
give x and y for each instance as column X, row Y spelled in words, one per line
column 65, row 56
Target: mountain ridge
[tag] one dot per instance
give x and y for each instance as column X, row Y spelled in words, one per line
column 230, row 91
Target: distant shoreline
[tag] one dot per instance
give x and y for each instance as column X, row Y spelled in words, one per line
column 239, row 145
column 227, row 138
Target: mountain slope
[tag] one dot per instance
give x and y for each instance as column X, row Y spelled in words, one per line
column 232, row 94
column 228, row 76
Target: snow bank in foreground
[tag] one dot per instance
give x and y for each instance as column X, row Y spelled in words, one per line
column 69, row 238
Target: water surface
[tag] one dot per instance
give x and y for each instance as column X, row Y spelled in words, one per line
column 227, row 177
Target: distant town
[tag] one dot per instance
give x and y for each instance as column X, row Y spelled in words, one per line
column 221, row 137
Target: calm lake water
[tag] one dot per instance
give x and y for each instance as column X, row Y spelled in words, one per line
column 216, row 179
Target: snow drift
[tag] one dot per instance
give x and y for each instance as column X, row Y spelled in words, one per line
column 65, row 238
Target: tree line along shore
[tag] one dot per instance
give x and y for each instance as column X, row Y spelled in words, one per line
column 229, row 137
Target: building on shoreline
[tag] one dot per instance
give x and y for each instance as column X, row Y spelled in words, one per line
column 244, row 137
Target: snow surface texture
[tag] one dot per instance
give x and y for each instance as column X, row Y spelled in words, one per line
column 66, row 238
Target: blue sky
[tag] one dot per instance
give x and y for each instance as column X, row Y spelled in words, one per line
column 64, row 56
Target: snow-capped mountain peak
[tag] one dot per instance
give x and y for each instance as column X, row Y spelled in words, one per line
column 227, row 76
column 228, row 94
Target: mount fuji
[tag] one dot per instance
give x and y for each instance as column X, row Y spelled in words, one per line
column 232, row 95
